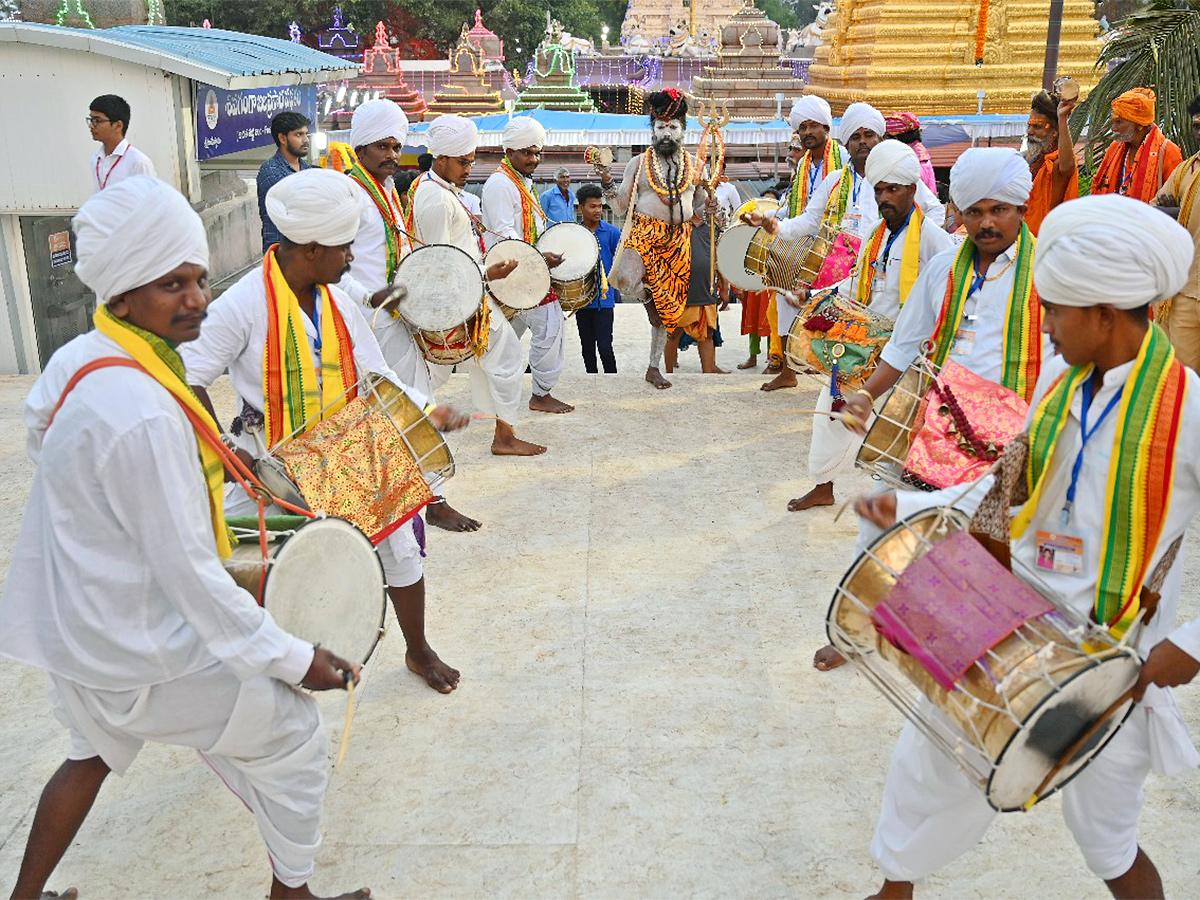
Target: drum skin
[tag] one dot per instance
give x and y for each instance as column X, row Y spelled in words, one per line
column 428, row 446
column 445, row 294
column 890, row 435
column 527, row 285
column 576, row 279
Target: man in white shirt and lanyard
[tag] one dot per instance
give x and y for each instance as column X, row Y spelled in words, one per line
column 317, row 214
column 378, row 131
column 438, row 217
column 839, row 205
column 108, row 121
column 1109, row 405
column 117, row 588
column 511, row 209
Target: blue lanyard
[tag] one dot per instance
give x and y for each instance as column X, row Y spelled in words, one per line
column 316, row 318
column 979, row 278
column 1086, row 436
column 857, row 185
column 887, row 248
column 814, row 174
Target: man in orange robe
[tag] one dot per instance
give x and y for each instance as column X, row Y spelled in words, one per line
column 1051, row 156
column 1140, row 159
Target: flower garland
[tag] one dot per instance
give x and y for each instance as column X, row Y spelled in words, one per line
column 657, row 179
column 981, row 31
column 531, row 207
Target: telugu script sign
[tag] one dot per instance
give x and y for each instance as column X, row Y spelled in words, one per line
column 229, row 121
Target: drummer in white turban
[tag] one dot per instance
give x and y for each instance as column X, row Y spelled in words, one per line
column 512, row 211
column 116, row 587
column 317, row 212
column 1100, row 263
column 439, row 217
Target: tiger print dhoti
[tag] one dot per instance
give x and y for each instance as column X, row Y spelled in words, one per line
column 666, row 252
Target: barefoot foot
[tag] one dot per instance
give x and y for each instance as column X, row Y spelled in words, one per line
column 69, row 894
column 774, row 366
column 828, row 658
column 514, row 446
column 439, row 676
column 654, row 377
column 821, row 495
column 749, row 364
column 785, row 379
column 441, row 514
column 547, row 404
column 894, row 890
column 280, row 891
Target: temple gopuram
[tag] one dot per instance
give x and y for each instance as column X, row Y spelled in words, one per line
column 339, row 39
column 382, row 71
column 921, row 57
column 747, row 74
column 487, row 42
column 650, row 23
column 466, row 90
column 554, row 71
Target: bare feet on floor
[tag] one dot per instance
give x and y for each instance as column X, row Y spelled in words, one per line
column 69, row 894
column 718, row 371
column 894, row 890
column 774, row 366
column 821, row 495
column 828, row 658
column 511, row 445
column 548, row 404
column 749, row 364
column 441, row 514
column 439, row 676
column 280, row 891
column 655, row 377
column 785, row 379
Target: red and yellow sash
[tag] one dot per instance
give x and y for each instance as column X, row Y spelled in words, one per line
column 831, row 161
column 293, row 395
column 1022, row 319
column 1141, row 173
column 531, row 208
column 383, row 201
column 910, row 259
column 839, row 200
column 1141, row 471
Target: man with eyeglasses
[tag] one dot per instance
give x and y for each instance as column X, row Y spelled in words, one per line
column 108, row 121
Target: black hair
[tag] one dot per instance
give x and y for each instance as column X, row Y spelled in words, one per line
column 1140, row 313
column 1194, row 108
column 663, row 105
column 285, row 123
column 425, row 162
column 772, row 191
column 907, row 137
column 114, row 107
column 1045, row 104
column 589, row 192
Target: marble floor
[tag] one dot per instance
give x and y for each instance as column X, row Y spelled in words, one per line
column 638, row 715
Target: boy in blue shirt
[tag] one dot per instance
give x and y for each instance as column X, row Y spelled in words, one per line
column 596, row 320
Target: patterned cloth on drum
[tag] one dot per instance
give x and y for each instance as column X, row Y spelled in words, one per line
column 666, row 252
column 839, row 338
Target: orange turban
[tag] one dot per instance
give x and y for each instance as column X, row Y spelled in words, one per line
column 1136, row 106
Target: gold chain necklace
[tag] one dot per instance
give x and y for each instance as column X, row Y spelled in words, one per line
column 657, row 179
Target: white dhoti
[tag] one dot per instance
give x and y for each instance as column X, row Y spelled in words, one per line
column 262, row 737
column 833, row 447
column 496, row 378
column 547, row 344
column 399, row 552
column 785, row 315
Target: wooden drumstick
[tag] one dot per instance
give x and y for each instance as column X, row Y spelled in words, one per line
column 349, row 719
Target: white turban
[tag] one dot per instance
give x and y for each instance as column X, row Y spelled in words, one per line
column 861, row 115
column 377, row 120
column 522, row 132
column 1111, row 250
column 315, row 205
column 810, row 108
column 893, row 162
column 451, row 135
column 138, row 230
column 992, row 173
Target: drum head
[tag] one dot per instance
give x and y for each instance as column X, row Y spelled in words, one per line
column 528, row 284
column 1056, row 725
column 445, row 287
column 762, row 205
column 731, row 258
column 576, row 245
column 326, row 585
column 428, row 446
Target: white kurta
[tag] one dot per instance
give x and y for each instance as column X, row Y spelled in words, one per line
column 833, row 446
column 234, row 338
column 931, row 814
column 116, row 590
column 368, row 274
column 439, row 218
column 124, row 162
column 501, row 203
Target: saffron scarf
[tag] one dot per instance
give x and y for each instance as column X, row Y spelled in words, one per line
column 383, row 200
column 910, row 259
column 162, row 363
column 1140, row 473
column 293, row 395
column 831, row 161
column 1022, row 319
column 531, row 207
column 1141, row 179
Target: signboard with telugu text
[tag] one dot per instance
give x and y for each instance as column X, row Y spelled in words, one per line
column 230, row 121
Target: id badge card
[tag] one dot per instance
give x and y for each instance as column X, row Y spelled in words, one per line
column 878, row 284
column 1060, row 552
column 850, row 221
column 964, row 342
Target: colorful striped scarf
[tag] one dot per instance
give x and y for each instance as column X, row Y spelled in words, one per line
column 1022, row 319
column 1140, row 473
column 531, row 208
column 162, row 363
column 839, row 200
column 293, row 394
column 383, row 200
column 910, row 259
column 831, row 161
column 1139, row 177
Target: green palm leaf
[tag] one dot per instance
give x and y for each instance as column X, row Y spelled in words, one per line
column 1157, row 47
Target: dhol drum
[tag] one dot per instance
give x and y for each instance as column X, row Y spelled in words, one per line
column 526, row 286
column 321, row 581
column 576, row 279
column 815, row 262
column 889, row 438
column 833, row 333
column 444, row 303
column 734, row 261
column 1021, row 695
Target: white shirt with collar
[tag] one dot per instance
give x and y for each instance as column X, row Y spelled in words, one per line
column 115, row 582
column 862, row 212
column 439, row 216
column 886, row 302
column 502, row 209
column 124, row 162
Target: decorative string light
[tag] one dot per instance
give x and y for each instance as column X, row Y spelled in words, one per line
column 294, row 34
column 64, row 12
column 155, row 13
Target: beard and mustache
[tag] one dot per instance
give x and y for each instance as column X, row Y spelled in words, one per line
column 1035, row 149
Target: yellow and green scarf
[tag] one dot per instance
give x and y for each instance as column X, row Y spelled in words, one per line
column 160, row 361
column 531, row 207
column 831, row 161
column 292, row 395
column 835, row 207
column 383, row 201
column 1141, row 471
column 910, row 259
column 1022, row 319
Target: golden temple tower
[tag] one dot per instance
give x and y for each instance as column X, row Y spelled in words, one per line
column 920, row 56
